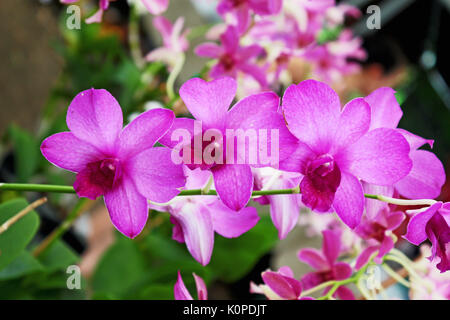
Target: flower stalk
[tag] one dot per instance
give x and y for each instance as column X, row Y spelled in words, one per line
column 81, row 206
column 211, row 192
column 5, row 226
column 174, row 75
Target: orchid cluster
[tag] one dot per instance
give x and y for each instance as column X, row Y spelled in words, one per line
column 345, row 171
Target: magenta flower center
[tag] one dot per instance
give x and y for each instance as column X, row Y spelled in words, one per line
column 237, row 3
column 98, row 178
column 377, row 231
column 227, row 61
column 322, row 178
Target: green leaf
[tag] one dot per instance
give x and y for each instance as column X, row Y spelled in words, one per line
column 58, row 257
column 24, row 264
column 120, row 268
column 26, row 153
column 157, row 292
column 234, row 258
column 328, row 34
column 167, row 256
column 14, row 240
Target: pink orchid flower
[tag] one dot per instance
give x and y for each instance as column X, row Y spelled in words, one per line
column 232, row 57
column 432, row 224
column 378, row 233
column 279, row 285
column 336, row 149
column 208, row 102
column 181, row 292
column 284, row 209
column 174, row 41
column 326, row 265
column 427, row 175
column 331, row 60
column 121, row 165
column 196, row 218
column 238, row 12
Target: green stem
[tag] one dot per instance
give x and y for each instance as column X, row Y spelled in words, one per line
column 36, row 187
column 319, row 287
column 133, row 38
column 395, row 275
column 173, row 76
column 69, row 189
column 401, row 202
column 198, row 192
column 79, row 208
column 335, row 285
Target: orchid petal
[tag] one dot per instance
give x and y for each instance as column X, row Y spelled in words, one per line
column 156, row 7
column 155, row 175
column 231, row 224
column 68, row 152
column 379, row 157
column 312, row 111
column 354, row 122
column 180, row 291
column 416, row 230
column 349, row 200
column 127, row 208
column 314, row 258
column 143, row 132
column 95, row 116
column 234, row 184
column 209, row 101
column 202, row 291
column 198, row 231
column 386, row 112
column 426, row 178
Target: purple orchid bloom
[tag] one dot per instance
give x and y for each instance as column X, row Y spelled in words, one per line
column 326, row 264
column 432, row 224
column 331, row 61
column 336, row 149
column 121, row 165
column 174, row 41
column 378, row 233
column 284, row 209
column 180, row 291
column 209, row 102
column 427, row 175
column 196, row 218
column 279, row 285
column 238, row 12
column 233, row 58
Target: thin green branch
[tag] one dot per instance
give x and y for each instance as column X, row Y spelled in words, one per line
column 81, row 206
column 198, row 192
column 174, row 75
column 5, row 226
